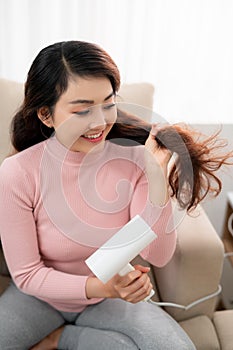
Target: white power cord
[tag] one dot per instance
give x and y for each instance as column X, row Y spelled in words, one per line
column 194, row 303
column 228, row 254
column 189, row 306
column 229, row 224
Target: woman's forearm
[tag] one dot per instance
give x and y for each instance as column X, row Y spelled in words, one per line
column 95, row 288
column 156, row 161
column 157, row 185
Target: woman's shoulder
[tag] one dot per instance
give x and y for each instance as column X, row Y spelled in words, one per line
column 28, row 157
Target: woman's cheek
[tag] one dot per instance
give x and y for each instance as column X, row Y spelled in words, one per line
column 71, row 129
column 111, row 117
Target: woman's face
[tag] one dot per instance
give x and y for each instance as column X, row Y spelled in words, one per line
column 85, row 113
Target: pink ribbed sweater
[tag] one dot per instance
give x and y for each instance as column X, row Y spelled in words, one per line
column 58, row 206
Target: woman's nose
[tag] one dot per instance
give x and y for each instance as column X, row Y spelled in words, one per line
column 98, row 118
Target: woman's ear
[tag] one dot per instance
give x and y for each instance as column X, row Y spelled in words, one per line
column 45, row 116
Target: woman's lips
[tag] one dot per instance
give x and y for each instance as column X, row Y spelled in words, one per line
column 93, row 137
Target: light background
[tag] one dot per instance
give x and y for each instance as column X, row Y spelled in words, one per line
column 183, row 47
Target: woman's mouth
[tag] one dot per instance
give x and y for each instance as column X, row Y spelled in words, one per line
column 93, row 137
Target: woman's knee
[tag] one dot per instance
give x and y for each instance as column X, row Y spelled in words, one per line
column 76, row 337
column 25, row 320
column 148, row 325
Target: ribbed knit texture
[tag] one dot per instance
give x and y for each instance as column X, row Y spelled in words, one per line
column 58, row 206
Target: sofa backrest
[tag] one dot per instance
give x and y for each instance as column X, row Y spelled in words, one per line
column 11, row 96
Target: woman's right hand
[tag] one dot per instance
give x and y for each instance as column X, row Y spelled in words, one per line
column 135, row 286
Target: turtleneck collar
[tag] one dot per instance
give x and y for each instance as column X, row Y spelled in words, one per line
column 66, row 156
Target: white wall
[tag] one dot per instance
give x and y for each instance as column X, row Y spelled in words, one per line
column 183, row 47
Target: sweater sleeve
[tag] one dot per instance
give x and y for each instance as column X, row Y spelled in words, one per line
column 160, row 219
column 20, row 243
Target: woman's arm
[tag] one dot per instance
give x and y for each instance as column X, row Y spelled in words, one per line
column 20, row 241
column 151, row 201
column 156, row 166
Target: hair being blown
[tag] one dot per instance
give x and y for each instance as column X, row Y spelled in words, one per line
column 198, row 158
column 193, row 174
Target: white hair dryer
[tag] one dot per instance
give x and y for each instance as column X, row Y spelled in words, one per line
column 113, row 257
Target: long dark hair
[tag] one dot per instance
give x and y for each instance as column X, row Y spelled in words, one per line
column 48, row 78
column 194, row 173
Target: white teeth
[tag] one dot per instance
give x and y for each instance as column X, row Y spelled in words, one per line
column 93, row 136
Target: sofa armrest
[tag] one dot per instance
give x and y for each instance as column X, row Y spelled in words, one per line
column 195, row 269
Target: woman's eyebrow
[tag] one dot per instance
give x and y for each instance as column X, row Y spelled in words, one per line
column 90, row 101
column 110, row 95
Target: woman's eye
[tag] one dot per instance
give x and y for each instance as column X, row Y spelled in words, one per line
column 84, row 112
column 109, row 106
column 87, row 111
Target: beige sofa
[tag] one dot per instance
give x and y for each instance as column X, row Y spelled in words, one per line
column 196, row 267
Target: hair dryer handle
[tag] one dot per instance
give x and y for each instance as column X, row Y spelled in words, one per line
column 128, row 268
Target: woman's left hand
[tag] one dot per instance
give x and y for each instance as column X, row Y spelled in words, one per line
column 156, row 161
column 154, row 154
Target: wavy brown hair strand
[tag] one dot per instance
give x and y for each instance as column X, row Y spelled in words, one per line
column 193, row 174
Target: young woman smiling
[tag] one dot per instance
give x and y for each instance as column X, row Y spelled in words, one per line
column 72, row 185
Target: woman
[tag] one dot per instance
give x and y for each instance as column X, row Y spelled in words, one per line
column 72, row 185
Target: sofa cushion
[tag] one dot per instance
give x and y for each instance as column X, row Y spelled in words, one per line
column 223, row 322
column 201, row 331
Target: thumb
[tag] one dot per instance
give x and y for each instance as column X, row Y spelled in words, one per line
column 154, row 130
column 141, row 268
column 151, row 143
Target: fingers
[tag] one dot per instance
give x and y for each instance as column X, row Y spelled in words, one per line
column 151, row 142
column 136, row 285
column 155, row 129
column 139, row 289
column 153, row 151
column 142, row 268
column 142, row 293
column 129, row 278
